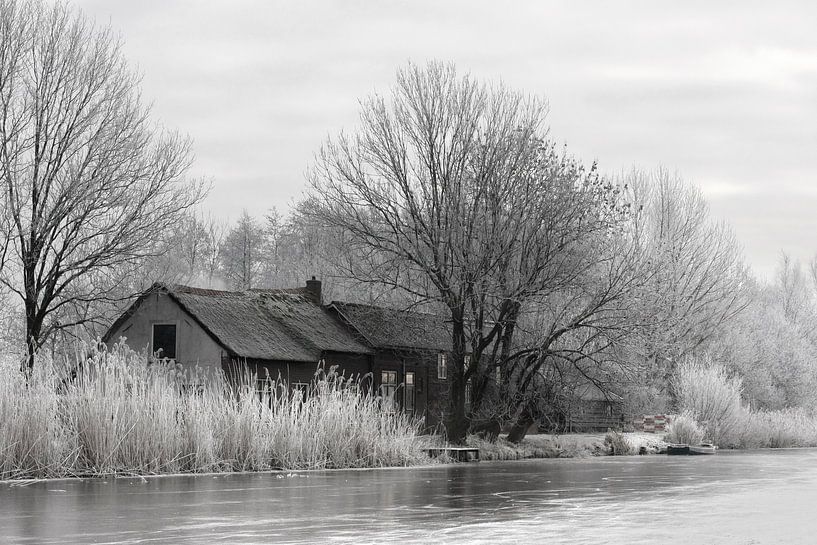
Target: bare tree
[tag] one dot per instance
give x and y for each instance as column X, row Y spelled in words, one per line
column 451, row 192
column 578, row 334
column 242, row 252
column 193, row 239
column 215, row 231
column 275, row 230
column 795, row 293
column 90, row 184
column 700, row 281
column 188, row 255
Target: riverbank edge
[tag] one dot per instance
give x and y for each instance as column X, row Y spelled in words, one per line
column 286, row 473
column 536, row 446
column 573, row 445
column 294, row 473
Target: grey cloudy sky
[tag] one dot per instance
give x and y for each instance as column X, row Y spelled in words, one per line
column 726, row 94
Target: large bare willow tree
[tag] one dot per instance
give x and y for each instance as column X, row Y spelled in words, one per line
column 451, row 191
column 89, row 183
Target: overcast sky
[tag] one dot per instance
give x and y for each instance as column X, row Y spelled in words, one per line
column 726, row 95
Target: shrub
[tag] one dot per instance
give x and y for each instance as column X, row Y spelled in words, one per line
column 708, row 395
column 684, row 429
column 705, row 390
column 618, row 444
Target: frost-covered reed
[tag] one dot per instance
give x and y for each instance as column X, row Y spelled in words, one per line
column 115, row 414
column 785, row 428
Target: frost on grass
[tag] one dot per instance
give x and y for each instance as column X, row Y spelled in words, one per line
column 684, row 429
column 118, row 415
column 711, row 399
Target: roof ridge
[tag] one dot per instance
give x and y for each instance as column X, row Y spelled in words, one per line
column 419, row 312
column 195, row 290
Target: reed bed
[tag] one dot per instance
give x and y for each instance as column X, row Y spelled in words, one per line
column 785, row 428
column 115, row 414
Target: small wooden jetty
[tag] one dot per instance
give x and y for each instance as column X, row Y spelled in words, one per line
column 457, row 454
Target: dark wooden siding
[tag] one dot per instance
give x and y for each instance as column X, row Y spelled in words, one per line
column 595, row 415
column 431, row 393
column 350, row 365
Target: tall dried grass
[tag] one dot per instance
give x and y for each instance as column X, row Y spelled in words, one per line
column 786, row 428
column 119, row 415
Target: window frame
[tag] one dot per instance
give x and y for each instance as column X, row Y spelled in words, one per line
column 388, row 389
column 442, row 366
column 175, row 324
column 409, row 391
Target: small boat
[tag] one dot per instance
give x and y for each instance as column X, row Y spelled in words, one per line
column 703, row 448
column 681, row 449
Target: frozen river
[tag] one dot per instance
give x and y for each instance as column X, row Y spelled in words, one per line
column 753, row 497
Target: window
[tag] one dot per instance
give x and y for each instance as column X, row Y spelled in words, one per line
column 164, row 341
column 408, row 394
column 265, row 390
column 442, row 366
column 388, row 385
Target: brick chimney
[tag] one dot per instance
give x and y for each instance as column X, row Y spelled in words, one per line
column 313, row 287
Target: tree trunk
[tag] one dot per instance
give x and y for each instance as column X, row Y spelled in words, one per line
column 520, row 428
column 457, row 423
column 33, row 331
column 456, row 427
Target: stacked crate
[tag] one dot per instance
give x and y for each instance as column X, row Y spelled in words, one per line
column 652, row 423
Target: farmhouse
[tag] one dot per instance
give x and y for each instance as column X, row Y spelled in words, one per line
column 289, row 334
column 410, row 348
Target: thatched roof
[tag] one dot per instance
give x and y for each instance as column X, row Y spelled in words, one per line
column 396, row 329
column 284, row 325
